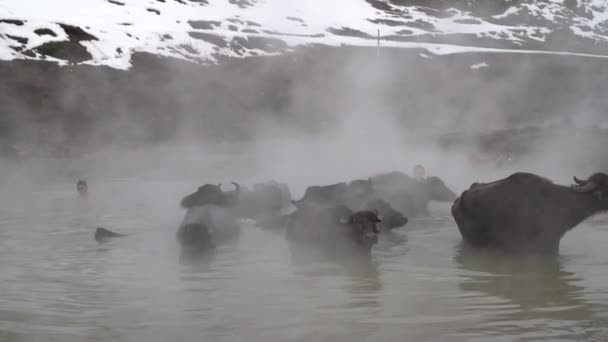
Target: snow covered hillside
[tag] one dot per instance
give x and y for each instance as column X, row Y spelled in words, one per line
column 108, row 32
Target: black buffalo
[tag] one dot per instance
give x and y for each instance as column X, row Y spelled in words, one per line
column 357, row 195
column 354, row 194
column 194, row 238
column 335, row 229
column 525, row 212
column 103, row 234
column 207, row 226
column 212, row 194
column 211, row 218
column 390, row 217
column 323, row 195
column 264, row 200
column 408, row 195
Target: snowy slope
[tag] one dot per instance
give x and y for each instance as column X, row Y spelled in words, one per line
column 107, row 32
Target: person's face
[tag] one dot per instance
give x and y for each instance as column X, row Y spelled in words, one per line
column 82, row 189
column 419, row 172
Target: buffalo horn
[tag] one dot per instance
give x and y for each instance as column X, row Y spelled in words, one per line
column 588, row 187
column 579, row 181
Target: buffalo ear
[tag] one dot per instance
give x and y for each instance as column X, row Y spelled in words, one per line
column 377, row 217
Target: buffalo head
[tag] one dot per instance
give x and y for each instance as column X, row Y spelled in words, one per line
column 596, row 185
column 230, row 197
column 390, row 217
column 211, row 194
column 364, row 226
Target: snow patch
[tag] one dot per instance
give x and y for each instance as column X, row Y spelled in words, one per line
column 479, row 65
column 124, row 27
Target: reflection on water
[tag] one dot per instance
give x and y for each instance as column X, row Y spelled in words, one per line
column 419, row 284
column 360, row 270
column 524, row 294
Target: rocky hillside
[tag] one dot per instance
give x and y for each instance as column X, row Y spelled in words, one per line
column 108, row 32
column 83, row 74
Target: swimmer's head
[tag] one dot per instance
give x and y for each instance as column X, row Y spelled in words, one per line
column 83, row 188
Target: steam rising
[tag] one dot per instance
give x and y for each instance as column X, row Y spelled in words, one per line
column 315, row 116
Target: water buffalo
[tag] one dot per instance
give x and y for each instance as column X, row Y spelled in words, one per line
column 525, row 212
column 210, row 218
column 211, row 194
column 411, row 196
column 102, row 234
column 390, row 217
column 194, row 238
column 357, row 195
column 207, row 226
column 265, row 200
column 334, row 229
column 324, row 195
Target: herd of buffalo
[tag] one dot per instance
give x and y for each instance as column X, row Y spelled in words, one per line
column 518, row 214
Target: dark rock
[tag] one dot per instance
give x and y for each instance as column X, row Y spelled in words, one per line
column 12, row 22
column 209, row 38
column 388, row 22
column 346, row 31
column 405, row 32
column 242, row 3
column 295, row 19
column 421, row 24
column 76, row 34
column 67, row 50
column 204, row 24
column 261, row 43
column 381, row 5
column 45, row 31
column 467, row 21
column 21, row 40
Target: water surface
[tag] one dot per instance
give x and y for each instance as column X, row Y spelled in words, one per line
column 58, row 284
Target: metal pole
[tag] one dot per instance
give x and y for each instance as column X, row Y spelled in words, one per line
column 378, row 49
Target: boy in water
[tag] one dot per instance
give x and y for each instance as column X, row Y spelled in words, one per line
column 83, row 188
column 419, row 173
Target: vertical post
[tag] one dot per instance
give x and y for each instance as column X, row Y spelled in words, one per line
column 378, row 49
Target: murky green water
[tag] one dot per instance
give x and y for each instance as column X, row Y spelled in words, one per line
column 58, row 284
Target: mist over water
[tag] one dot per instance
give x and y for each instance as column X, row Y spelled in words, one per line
column 340, row 118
